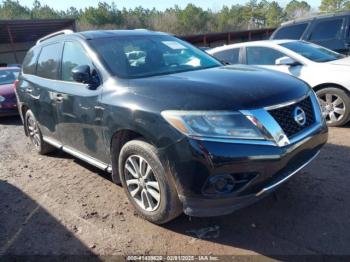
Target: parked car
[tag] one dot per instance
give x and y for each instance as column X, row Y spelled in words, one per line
column 8, row 102
column 327, row 72
column 330, row 31
column 192, row 136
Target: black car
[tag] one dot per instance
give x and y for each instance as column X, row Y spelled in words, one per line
column 180, row 131
column 331, row 31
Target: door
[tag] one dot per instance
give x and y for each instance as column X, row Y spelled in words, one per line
column 79, row 112
column 42, row 89
column 329, row 33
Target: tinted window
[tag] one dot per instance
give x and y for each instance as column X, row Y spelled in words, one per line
column 29, row 62
column 150, row 55
column 8, row 76
column 291, row 32
column 231, row 56
column 326, row 29
column 262, row 56
column 73, row 55
column 313, row 52
column 48, row 62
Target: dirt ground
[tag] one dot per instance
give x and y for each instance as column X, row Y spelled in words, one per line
column 58, row 205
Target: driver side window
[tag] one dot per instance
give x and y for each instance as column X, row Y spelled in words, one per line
column 73, row 55
column 262, row 56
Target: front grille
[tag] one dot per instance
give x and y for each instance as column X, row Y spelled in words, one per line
column 284, row 117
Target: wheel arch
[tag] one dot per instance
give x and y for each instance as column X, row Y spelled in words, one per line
column 117, row 141
column 330, row 85
column 24, row 108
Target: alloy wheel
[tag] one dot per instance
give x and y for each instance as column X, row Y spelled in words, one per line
column 333, row 107
column 33, row 131
column 142, row 183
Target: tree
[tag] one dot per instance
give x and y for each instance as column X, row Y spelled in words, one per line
column 13, row 10
column 297, row 9
column 334, row 5
column 39, row 11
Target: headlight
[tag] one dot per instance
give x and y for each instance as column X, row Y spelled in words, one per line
column 213, row 124
column 2, row 99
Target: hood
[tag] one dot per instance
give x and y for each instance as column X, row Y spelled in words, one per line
column 222, row 88
column 7, row 90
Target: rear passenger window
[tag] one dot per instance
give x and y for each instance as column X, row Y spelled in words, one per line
column 73, row 55
column 291, row 32
column 231, row 56
column 29, row 62
column 327, row 30
column 262, row 56
column 48, row 62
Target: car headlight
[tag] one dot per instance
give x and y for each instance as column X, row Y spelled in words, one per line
column 213, row 124
column 2, row 99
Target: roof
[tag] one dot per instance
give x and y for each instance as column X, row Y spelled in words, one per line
column 302, row 20
column 213, row 37
column 31, row 30
column 113, row 33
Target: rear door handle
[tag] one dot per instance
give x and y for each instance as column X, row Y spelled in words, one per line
column 59, row 98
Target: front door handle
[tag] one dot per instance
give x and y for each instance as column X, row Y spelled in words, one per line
column 59, row 98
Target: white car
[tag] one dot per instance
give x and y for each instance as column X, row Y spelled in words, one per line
column 327, row 72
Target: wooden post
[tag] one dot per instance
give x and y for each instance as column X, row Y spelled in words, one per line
column 12, row 43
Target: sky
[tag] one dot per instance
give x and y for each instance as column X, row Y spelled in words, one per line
column 158, row 4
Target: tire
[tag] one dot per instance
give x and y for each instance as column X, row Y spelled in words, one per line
column 34, row 133
column 335, row 104
column 159, row 212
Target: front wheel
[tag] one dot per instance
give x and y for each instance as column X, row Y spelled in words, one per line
column 149, row 188
column 335, row 105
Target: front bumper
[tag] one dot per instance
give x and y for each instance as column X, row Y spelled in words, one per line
column 193, row 162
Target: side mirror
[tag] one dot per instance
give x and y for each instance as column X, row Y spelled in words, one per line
column 81, row 74
column 286, row 60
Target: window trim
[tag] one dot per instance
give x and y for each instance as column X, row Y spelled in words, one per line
column 302, row 36
column 59, row 57
column 267, row 47
column 230, row 49
column 88, row 56
column 317, row 22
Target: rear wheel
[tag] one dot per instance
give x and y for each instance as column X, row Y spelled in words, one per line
column 35, row 135
column 335, row 105
column 149, row 188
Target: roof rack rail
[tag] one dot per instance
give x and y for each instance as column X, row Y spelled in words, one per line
column 62, row 32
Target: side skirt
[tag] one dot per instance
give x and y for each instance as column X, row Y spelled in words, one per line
column 92, row 161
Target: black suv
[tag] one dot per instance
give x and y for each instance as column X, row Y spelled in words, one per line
column 331, row 31
column 179, row 131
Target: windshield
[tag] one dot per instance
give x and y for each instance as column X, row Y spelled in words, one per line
column 313, row 52
column 150, row 55
column 8, row 76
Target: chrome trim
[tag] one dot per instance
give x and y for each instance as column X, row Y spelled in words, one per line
column 85, row 158
column 234, row 141
column 265, row 189
column 73, row 152
column 267, row 125
column 52, row 142
column 287, row 103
